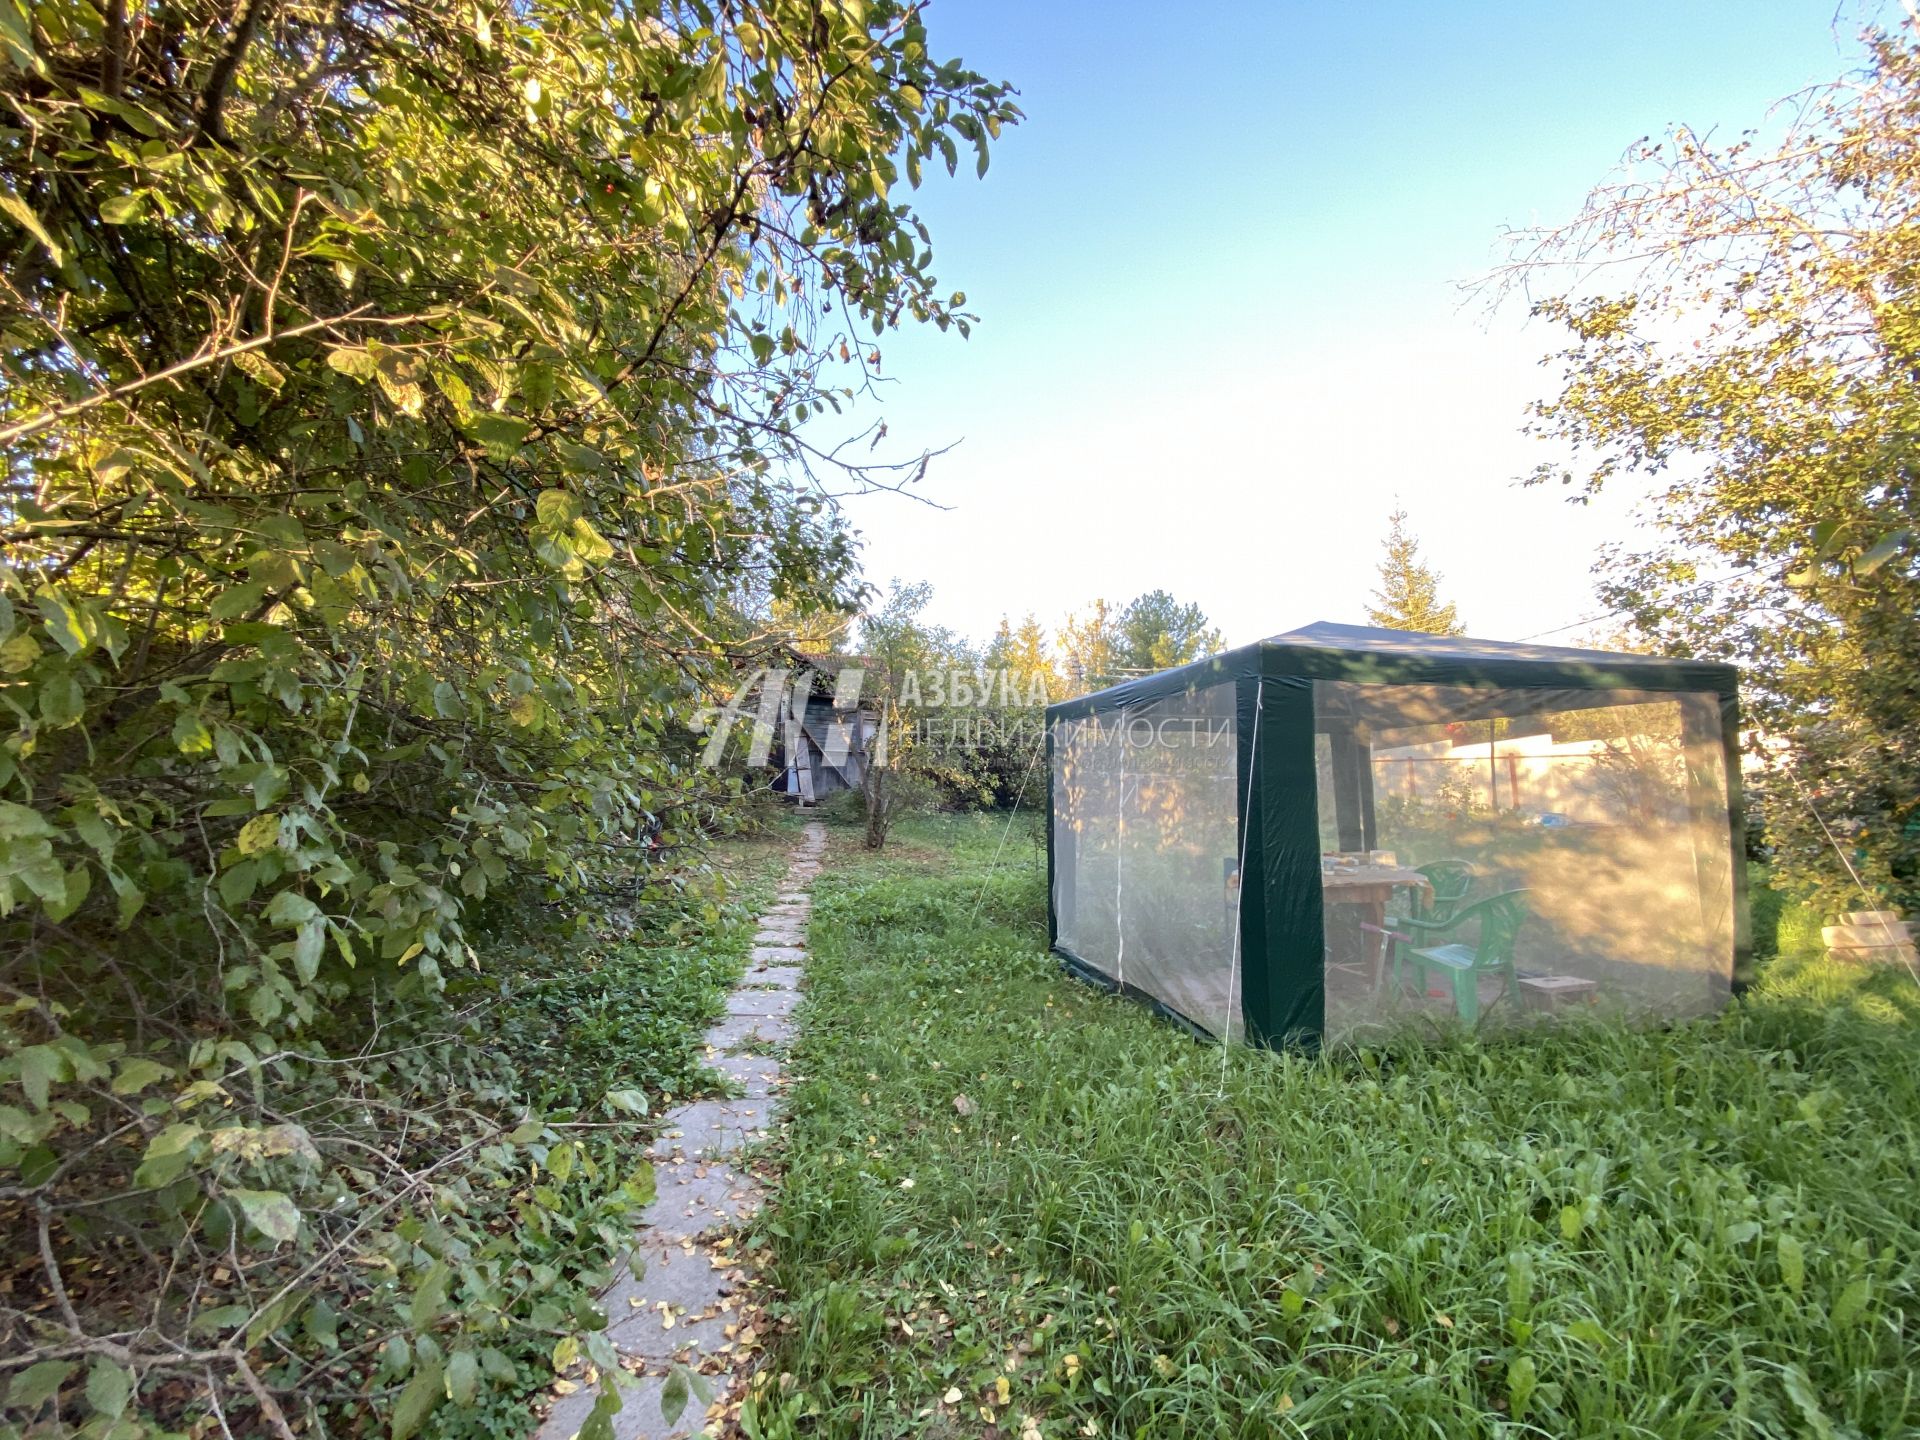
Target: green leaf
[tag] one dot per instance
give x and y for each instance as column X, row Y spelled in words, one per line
column 62, row 702
column 275, row 1315
column 424, row 1391
column 68, row 627
column 536, row 385
column 599, row 1422
column 262, row 371
column 1521, row 1382
column 19, row 654
column 353, row 361
column 1590, row 1332
column 1793, row 1263
column 269, row 1212
column 500, row 434
column 463, row 1377
column 40, row 1067
column 108, row 1387
column 76, row 882
column 22, row 822
column 137, row 1074
column 627, row 1102
column 119, row 209
column 644, row 1185
column 37, row 1384
column 259, row 835
column 308, row 946
column 190, row 734
column 556, row 509
column 1801, row 1392
column 673, row 1396
column 291, row 908
column 13, row 205
column 168, row 1154
column 240, row 600
column 1852, row 1301
column 17, row 1125
column 588, row 544
column 431, row 1298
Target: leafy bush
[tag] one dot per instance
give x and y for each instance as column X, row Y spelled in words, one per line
column 400, row 404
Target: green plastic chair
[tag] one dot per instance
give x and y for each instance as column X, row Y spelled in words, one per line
column 1498, row 919
column 1451, row 882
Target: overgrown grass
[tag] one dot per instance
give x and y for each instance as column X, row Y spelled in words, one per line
column 1013, row 1206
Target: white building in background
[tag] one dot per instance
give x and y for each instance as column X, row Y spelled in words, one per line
column 1614, row 781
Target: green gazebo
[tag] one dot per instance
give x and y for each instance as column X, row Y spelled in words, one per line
column 1343, row 831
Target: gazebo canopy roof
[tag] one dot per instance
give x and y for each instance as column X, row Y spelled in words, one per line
column 1365, row 654
column 1371, row 640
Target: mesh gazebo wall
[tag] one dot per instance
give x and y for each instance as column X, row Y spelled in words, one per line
column 1605, row 811
column 1145, row 847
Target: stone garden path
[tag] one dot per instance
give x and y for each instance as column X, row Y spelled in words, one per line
column 677, row 1305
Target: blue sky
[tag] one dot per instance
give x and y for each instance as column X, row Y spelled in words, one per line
column 1217, row 272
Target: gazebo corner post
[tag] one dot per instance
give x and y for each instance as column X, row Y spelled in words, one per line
column 1282, row 939
column 1053, row 824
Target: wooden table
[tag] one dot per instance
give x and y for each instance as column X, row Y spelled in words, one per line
column 1368, row 888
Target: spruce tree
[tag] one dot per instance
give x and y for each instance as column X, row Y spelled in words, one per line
column 1409, row 593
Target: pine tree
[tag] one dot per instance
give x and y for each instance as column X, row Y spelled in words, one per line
column 1088, row 648
column 1022, row 652
column 1409, row 593
column 1157, row 632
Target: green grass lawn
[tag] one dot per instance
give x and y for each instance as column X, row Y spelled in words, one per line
column 1016, row 1207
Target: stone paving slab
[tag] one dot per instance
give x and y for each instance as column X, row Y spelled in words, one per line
column 695, row 1196
column 757, row 1033
column 681, row 1303
column 757, row 1077
column 775, row 1003
column 776, row 955
column 772, row 977
column 709, row 1128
